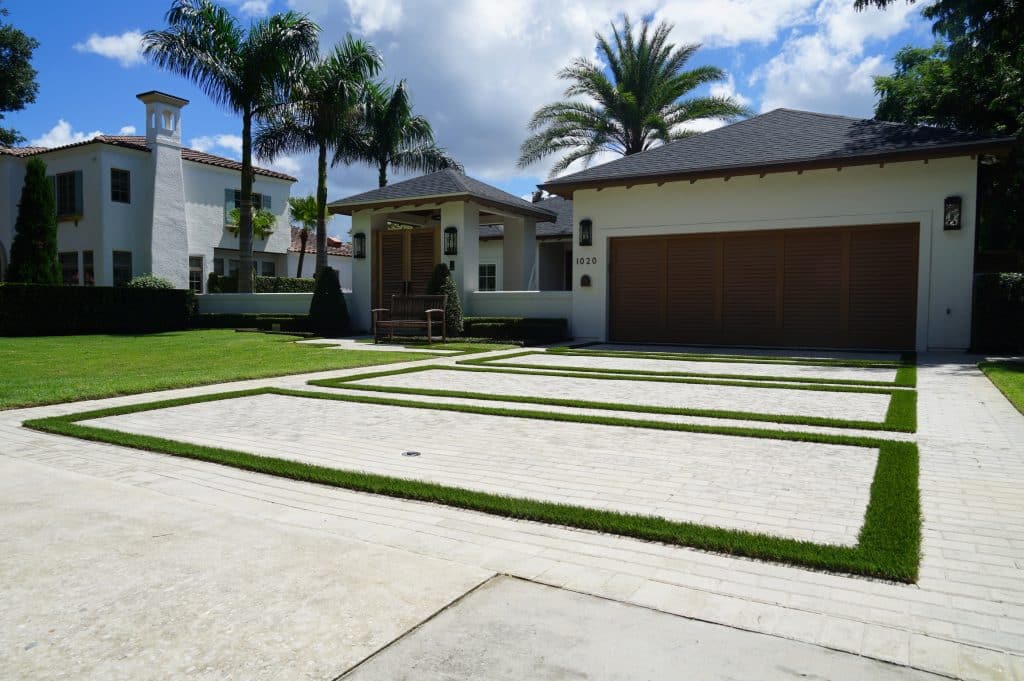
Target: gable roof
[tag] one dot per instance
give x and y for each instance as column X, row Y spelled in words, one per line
column 777, row 141
column 560, row 228
column 335, row 246
column 447, row 185
column 138, row 142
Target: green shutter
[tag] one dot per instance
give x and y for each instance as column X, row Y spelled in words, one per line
column 78, row 193
column 266, row 202
column 229, row 205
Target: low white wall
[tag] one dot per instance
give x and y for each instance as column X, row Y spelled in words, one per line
column 264, row 303
column 549, row 304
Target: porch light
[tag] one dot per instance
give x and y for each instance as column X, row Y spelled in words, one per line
column 451, row 241
column 586, row 233
column 952, row 213
column 359, row 245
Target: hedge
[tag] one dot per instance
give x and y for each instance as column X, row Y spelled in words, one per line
column 44, row 310
column 530, row 330
column 998, row 312
column 261, row 321
column 219, row 284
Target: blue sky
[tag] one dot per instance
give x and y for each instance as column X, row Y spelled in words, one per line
column 477, row 68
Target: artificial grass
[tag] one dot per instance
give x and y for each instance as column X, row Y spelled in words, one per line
column 1008, row 376
column 901, row 414
column 47, row 370
column 906, row 358
column 888, row 544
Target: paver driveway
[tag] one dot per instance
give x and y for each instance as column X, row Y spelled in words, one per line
column 965, row 617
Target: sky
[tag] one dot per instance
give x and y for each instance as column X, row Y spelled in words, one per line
column 477, row 69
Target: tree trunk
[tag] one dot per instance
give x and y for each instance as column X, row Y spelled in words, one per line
column 245, row 209
column 321, row 208
column 303, row 236
column 382, row 174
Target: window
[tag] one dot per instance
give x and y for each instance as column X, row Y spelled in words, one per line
column 269, row 268
column 88, row 275
column 218, row 266
column 122, row 267
column 488, row 277
column 232, row 268
column 67, row 189
column 195, row 273
column 120, row 185
column 233, row 199
column 69, row 266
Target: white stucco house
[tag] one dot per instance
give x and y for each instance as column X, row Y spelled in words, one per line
column 130, row 205
column 788, row 229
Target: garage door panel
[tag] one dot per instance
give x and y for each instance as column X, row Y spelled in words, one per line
column 750, row 282
column 883, row 286
column 813, row 288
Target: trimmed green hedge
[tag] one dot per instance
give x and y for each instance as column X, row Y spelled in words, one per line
column 530, row 330
column 261, row 321
column 218, row 284
column 38, row 310
column 998, row 312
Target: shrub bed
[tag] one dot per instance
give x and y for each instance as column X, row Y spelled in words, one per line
column 529, row 330
column 43, row 310
column 998, row 312
column 218, row 284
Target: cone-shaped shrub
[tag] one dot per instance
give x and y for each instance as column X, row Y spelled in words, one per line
column 441, row 282
column 328, row 315
column 34, row 249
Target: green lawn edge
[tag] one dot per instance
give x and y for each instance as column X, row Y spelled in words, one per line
column 888, row 544
column 1009, row 384
column 901, row 414
column 906, row 376
column 906, row 358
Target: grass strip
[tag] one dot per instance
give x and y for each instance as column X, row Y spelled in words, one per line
column 888, row 544
column 1008, row 376
column 901, row 415
column 904, row 360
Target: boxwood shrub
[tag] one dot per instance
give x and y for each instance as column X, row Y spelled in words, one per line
column 998, row 312
column 219, row 284
column 529, row 330
column 44, row 310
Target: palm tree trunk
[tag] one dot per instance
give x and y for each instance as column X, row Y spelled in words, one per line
column 303, row 236
column 245, row 209
column 382, row 174
column 321, row 208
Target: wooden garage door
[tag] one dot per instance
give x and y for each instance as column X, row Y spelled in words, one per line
column 835, row 287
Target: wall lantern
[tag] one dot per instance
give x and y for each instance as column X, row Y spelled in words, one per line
column 359, row 245
column 586, row 233
column 952, row 213
column 451, row 241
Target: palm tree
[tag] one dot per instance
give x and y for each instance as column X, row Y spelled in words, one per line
column 639, row 106
column 322, row 116
column 393, row 137
column 303, row 210
column 245, row 71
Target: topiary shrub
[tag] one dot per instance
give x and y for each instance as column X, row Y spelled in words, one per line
column 34, row 249
column 328, row 314
column 149, row 281
column 441, row 282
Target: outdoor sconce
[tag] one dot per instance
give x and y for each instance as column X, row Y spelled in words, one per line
column 359, row 245
column 586, row 233
column 451, row 241
column 952, row 213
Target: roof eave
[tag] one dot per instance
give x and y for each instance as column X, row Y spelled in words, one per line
column 343, row 207
column 566, row 189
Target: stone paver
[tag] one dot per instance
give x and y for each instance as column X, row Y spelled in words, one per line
column 963, row 619
column 751, row 368
column 824, row 404
column 808, row 491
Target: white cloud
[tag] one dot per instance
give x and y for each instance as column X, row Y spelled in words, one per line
column 126, row 130
column 125, row 48
column 255, row 8
column 228, row 143
column 62, row 134
column 283, row 164
column 371, row 16
column 728, row 89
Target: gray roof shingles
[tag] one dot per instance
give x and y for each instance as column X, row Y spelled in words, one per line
column 783, row 137
column 560, row 228
column 442, row 183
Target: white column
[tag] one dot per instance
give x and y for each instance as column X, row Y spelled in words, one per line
column 518, row 253
column 367, row 223
column 465, row 218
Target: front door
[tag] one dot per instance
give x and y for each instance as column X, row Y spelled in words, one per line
column 404, row 260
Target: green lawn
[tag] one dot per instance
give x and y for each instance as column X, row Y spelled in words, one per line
column 1009, row 378
column 53, row 369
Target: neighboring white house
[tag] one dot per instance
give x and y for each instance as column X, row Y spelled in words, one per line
column 339, row 257
column 788, row 229
column 131, row 205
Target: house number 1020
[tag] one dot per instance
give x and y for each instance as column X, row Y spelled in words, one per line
column 586, row 261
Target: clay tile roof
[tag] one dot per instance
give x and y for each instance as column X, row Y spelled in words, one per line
column 138, row 142
column 335, row 246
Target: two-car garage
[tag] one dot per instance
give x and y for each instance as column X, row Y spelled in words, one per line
column 837, row 287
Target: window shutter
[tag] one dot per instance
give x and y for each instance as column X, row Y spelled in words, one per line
column 78, row 193
column 266, row 202
column 229, row 205
column 53, row 187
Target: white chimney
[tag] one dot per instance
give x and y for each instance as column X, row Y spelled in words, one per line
column 163, row 117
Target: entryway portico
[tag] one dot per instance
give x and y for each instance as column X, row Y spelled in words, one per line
column 400, row 232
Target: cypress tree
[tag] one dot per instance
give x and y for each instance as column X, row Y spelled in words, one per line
column 441, row 282
column 34, row 249
column 328, row 314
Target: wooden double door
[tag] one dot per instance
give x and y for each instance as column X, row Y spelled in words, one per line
column 834, row 287
column 403, row 262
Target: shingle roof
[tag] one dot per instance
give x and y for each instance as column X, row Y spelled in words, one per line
column 138, row 143
column 562, row 227
column 782, row 139
column 335, row 246
column 449, row 184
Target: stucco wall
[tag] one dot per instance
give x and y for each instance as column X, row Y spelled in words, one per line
column 547, row 304
column 897, row 192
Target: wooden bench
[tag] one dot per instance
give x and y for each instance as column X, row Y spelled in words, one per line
column 411, row 312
